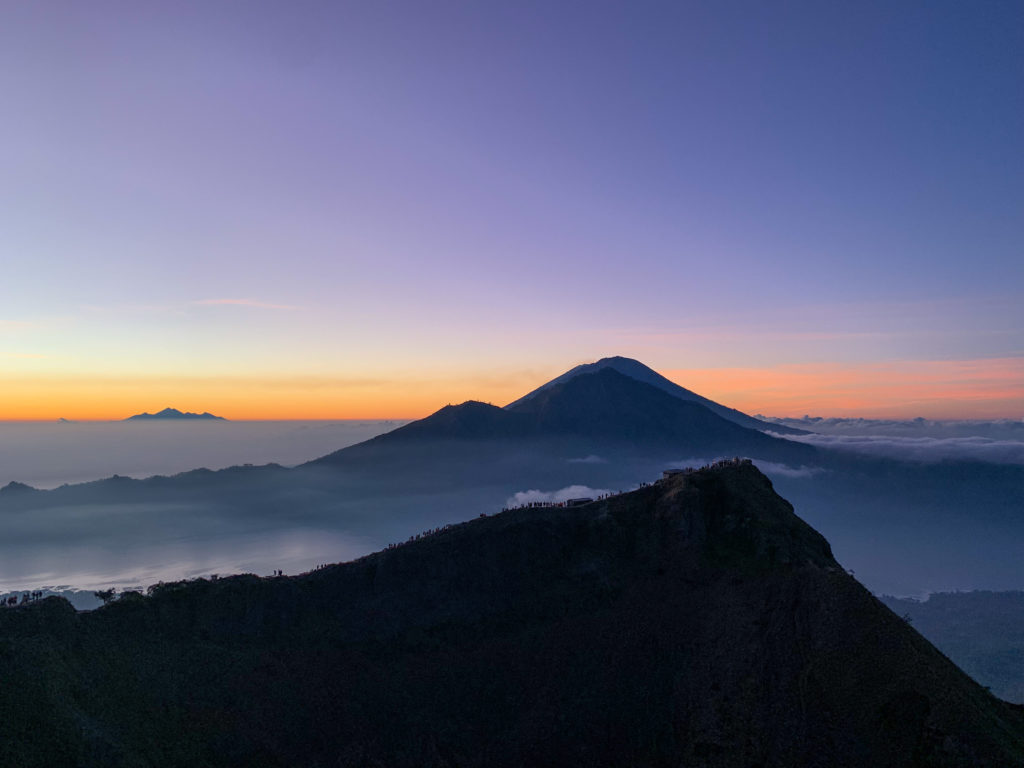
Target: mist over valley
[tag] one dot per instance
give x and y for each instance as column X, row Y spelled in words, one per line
column 46, row 454
column 322, row 491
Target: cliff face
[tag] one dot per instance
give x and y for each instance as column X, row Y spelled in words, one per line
column 693, row 622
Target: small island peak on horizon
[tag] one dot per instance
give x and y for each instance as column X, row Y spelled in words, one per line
column 175, row 414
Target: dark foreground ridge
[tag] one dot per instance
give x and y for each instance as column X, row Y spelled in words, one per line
column 694, row 622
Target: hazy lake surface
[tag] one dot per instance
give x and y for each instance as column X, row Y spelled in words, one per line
column 48, row 454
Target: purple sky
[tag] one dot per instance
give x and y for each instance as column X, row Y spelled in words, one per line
column 428, row 191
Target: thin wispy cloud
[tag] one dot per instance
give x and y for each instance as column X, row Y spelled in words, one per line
column 242, row 303
column 143, row 308
column 179, row 308
column 771, row 468
column 589, row 459
column 15, row 325
column 534, row 495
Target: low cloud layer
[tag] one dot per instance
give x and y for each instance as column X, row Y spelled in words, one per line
column 591, row 459
column 773, row 468
column 996, row 429
column 924, row 449
column 770, row 468
column 554, row 497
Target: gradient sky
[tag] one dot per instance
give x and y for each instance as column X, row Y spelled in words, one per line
column 327, row 209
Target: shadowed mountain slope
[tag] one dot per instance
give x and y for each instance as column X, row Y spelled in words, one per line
column 471, row 420
column 610, row 404
column 634, row 369
column 604, row 407
column 693, row 622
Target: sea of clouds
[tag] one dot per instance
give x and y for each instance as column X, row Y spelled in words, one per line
column 995, row 429
column 925, row 449
column 999, row 441
column 48, row 454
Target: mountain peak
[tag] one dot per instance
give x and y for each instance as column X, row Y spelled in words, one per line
column 634, row 369
column 608, row 404
column 600, row 409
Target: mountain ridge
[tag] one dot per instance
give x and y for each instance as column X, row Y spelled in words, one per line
column 696, row 621
column 603, row 405
column 637, row 370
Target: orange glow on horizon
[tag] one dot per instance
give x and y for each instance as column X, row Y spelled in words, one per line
column 239, row 398
column 934, row 389
column 954, row 389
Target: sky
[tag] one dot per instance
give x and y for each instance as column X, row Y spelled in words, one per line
column 369, row 210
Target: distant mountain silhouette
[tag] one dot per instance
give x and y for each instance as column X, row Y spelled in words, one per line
column 694, row 622
column 173, row 413
column 15, row 487
column 604, row 407
column 637, row 370
column 469, row 420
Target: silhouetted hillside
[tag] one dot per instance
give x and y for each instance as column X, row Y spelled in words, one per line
column 597, row 409
column 609, row 404
column 16, row 488
column 174, row 414
column 636, row 370
column 693, row 622
column 469, row 420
